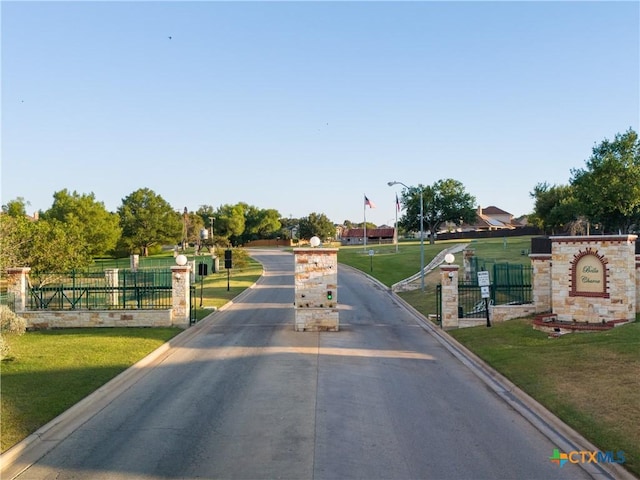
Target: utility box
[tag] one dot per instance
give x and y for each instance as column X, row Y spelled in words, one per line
column 316, row 289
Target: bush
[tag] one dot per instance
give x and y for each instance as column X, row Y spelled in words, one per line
column 10, row 324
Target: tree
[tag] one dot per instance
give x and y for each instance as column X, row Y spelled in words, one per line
column 555, row 209
column 444, row 201
column 261, row 223
column 318, row 225
column 57, row 247
column 208, row 215
column 230, row 222
column 288, row 226
column 608, row 188
column 16, row 233
column 370, row 225
column 46, row 246
column 99, row 228
column 16, row 208
column 147, row 220
column 194, row 225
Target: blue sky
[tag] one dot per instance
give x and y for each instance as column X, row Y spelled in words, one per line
column 308, row 106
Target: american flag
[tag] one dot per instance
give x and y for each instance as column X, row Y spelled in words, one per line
column 397, row 203
column 368, row 203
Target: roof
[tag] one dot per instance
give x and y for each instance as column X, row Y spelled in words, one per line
column 371, row 232
column 491, row 210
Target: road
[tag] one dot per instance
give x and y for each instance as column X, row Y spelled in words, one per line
column 247, row 397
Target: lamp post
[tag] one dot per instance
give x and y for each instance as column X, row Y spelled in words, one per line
column 391, row 184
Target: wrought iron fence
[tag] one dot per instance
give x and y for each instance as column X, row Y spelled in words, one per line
column 9, row 300
column 142, row 289
column 510, row 285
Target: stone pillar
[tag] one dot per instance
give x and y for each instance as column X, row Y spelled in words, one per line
column 541, row 282
column 637, row 283
column 316, row 289
column 449, row 286
column 467, row 257
column 17, row 286
column 134, row 262
column 111, row 279
column 181, row 299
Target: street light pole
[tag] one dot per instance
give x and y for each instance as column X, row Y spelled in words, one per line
column 421, row 231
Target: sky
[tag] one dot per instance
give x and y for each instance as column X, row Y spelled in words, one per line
column 306, row 107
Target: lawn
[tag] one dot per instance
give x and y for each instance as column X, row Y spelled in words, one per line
column 49, row 371
column 390, row 267
column 589, row 380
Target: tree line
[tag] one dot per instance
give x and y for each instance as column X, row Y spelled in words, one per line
column 604, row 196
column 77, row 229
column 601, row 197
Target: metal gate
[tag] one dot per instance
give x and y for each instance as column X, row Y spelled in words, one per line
column 510, row 285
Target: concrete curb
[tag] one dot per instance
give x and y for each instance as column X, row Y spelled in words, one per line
column 564, row 437
column 22, row 455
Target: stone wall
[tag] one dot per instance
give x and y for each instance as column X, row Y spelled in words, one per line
column 316, row 289
column 593, row 278
column 177, row 316
column 541, row 282
column 45, row 319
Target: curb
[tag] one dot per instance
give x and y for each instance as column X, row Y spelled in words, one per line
column 564, row 437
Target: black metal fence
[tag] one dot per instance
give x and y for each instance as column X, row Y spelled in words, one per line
column 510, row 285
column 9, row 300
column 141, row 289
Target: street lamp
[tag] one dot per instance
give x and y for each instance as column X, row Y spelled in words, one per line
column 391, row 184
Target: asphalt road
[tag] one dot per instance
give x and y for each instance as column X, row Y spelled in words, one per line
column 243, row 396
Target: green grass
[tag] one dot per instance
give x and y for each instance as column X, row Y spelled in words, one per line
column 589, row 380
column 213, row 288
column 390, row 267
column 49, row 371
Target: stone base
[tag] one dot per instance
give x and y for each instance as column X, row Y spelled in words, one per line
column 317, row 320
column 551, row 324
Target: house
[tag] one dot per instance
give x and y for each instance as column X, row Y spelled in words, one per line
column 355, row 236
column 490, row 219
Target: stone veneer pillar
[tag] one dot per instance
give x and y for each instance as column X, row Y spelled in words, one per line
column 180, row 295
column 449, row 286
column 637, row 283
column 316, row 289
column 112, row 281
column 541, row 282
column 613, row 261
column 17, row 286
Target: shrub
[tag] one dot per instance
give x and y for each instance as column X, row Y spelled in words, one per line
column 10, row 324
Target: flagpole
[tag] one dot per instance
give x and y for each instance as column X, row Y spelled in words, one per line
column 395, row 230
column 364, row 214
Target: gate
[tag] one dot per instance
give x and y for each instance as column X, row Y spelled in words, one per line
column 510, row 285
